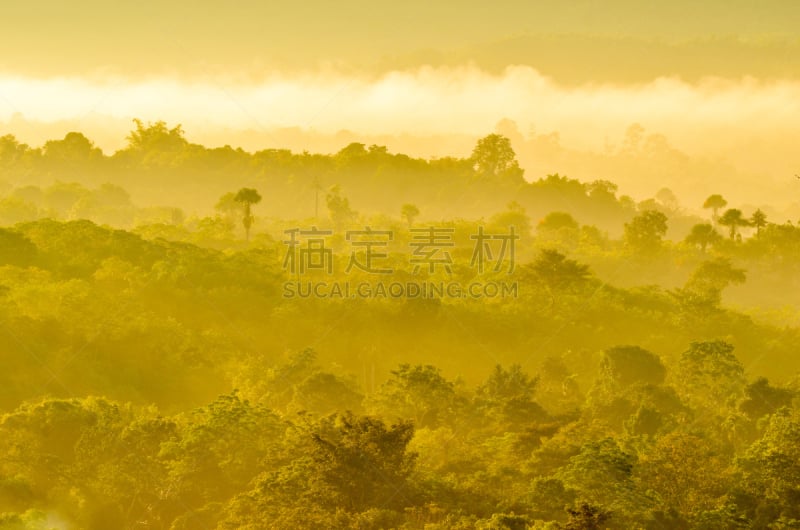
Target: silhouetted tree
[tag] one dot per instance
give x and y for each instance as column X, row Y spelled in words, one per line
column 409, row 212
column 667, row 198
column 359, row 462
column 247, row 197
column 493, row 157
column 715, row 203
column 703, row 235
column 645, row 231
column 702, row 293
column 759, row 220
column 339, row 207
column 557, row 273
column 734, row 220
column 228, row 207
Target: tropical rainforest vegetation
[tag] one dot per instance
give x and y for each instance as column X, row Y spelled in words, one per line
column 644, row 374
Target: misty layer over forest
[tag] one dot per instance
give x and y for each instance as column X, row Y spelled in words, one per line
column 692, row 137
column 696, row 97
column 162, row 185
column 643, row 372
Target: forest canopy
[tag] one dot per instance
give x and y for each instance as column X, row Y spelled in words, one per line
column 643, row 374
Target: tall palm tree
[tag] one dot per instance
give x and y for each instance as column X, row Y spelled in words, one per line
column 733, row 219
column 759, row 220
column 247, row 197
column 715, row 203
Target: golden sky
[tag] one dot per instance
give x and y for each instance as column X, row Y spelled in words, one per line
column 720, row 79
column 251, row 37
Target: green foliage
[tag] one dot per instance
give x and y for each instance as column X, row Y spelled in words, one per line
column 702, row 293
column 715, row 203
column 559, row 228
column 602, row 473
column 645, row 231
column 417, row 392
column 247, row 197
column 627, row 365
column 339, row 207
column 586, row 517
column 508, row 396
column 556, row 221
column 514, row 216
column 759, row 220
column 703, row 235
column 557, row 273
column 709, row 372
column 156, row 138
column 409, row 212
column 761, row 398
column 16, row 249
column 156, row 377
column 686, row 473
column 362, row 463
column 493, row 157
column 734, row 220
